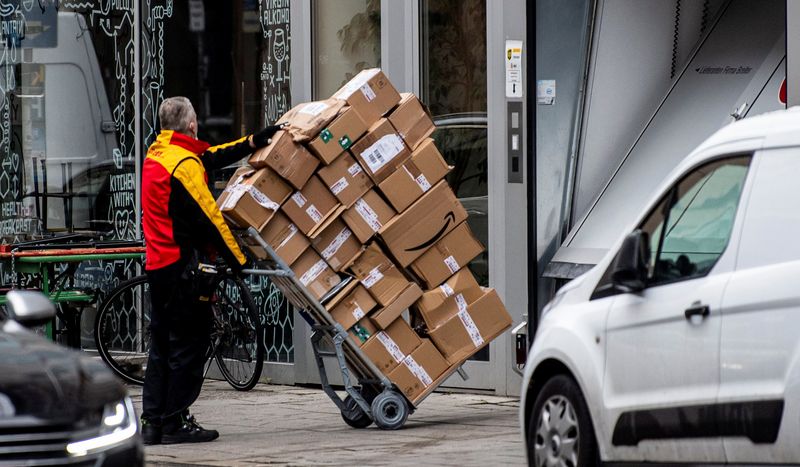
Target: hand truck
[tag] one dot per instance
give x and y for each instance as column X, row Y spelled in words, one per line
column 371, row 397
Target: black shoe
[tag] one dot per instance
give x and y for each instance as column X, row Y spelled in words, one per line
column 151, row 433
column 189, row 432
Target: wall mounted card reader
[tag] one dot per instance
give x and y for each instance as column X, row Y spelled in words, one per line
column 515, row 141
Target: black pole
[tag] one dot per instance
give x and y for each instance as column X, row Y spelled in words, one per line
column 530, row 171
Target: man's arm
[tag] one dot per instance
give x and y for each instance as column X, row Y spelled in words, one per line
column 197, row 220
column 226, row 154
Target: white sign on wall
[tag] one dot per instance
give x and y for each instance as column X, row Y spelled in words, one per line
column 546, row 92
column 513, row 57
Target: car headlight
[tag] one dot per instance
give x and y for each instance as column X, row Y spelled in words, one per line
column 117, row 424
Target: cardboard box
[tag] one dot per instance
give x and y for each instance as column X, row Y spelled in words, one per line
column 253, row 197
column 450, row 307
column 419, row 227
column 368, row 215
column 351, row 305
column 306, row 120
column 412, row 120
column 336, row 243
column 370, row 93
column 346, row 179
column 362, row 331
column 389, row 347
column 386, row 315
column 284, row 237
column 339, row 135
column 451, row 253
column 460, row 282
column 379, row 275
column 381, row 150
column 419, row 370
column 315, row 274
column 289, row 159
column 415, row 177
column 311, row 206
column 466, row 332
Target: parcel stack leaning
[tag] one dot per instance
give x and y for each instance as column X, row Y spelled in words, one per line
column 355, row 186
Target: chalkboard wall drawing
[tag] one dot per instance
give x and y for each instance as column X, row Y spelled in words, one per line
column 68, row 139
column 275, row 58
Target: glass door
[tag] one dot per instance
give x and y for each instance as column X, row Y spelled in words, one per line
column 453, row 85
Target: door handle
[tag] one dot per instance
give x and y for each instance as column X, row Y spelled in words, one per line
column 697, row 309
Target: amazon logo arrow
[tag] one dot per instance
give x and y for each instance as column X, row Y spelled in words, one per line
column 450, row 217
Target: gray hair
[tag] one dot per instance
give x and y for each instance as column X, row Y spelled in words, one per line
column 176, row 113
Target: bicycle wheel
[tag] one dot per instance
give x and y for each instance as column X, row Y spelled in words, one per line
column 239, row 350
column 121, row 329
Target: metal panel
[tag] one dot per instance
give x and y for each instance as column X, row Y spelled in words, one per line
column 562, row 39
column 638, row 48
column 731, row 67
column 793, row 51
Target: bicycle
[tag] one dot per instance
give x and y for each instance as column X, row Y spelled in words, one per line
column 122, row 335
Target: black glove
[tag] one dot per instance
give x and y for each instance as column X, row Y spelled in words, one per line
column 263, row 137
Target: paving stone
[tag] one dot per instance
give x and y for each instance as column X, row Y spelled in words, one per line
column 288, row 426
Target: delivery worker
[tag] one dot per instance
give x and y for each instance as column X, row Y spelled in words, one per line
column 181, row 220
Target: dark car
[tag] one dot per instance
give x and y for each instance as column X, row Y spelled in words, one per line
column 57, row 406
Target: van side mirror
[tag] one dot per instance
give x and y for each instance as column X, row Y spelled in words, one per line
column 30, row 308
column 629, row 271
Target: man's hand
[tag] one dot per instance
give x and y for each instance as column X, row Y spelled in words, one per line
column 264, row 137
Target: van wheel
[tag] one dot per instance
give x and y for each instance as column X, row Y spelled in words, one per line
column 560, row 430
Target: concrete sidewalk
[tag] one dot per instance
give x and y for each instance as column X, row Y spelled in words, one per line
column 286, row 425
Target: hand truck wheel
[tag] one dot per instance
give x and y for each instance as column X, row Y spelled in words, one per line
column 353, row 415
column 390, row 410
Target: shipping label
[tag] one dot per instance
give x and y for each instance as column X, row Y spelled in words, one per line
column 354, row 85
column 339, row 186
column 461, row 302
column 234, row 195
column 262, row 199
column 314, row 108
column 447, row 290
column 368, row 214
column 299, row 199
column 372, row 278
column 368, row 93
column 292, row 230
column 423, row 183
column 471, row 328
column 358, row 313
column 354, row 169
column 452, row 264
column 314, row 272
column 314, row 213
column 391, row 346
column 382, row 151
column 417, row 370
column 337, row 243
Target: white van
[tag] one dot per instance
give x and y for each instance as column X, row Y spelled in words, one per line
column 682, row 344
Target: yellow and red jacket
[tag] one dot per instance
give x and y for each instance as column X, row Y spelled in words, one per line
column 179, row 212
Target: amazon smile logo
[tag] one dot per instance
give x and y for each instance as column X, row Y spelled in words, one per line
column 449, row 218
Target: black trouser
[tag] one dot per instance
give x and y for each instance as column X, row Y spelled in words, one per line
column 179, row 339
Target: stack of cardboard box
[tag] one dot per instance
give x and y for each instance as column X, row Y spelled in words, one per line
column 354, row 185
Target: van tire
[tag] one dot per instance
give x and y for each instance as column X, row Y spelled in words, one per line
column 561, row 397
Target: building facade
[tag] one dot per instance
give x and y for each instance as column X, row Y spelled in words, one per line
column 81, row 83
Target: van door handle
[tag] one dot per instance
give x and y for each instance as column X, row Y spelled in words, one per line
column 697, row 309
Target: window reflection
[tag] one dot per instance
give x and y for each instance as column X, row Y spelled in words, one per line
column 453, row 38
column 347, row 39
column 453, row 68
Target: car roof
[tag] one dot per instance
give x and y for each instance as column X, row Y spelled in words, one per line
column 779, row 128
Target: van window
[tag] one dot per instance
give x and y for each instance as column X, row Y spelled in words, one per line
column 691, row 227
